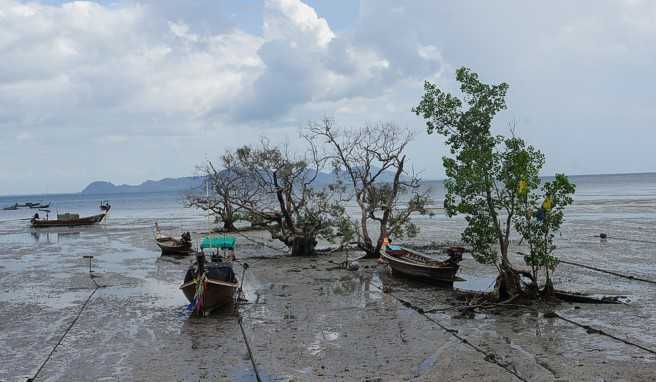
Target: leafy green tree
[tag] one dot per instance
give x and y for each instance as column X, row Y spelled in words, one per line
column 538, row 219
column 488, row 176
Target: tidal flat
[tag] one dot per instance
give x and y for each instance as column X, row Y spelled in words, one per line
column 307, row 319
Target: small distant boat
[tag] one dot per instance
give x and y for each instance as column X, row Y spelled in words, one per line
column 171, row 246
column 11, row 208
column 413, row 264
column 40, row 206
column 67, row 220
column 210, row 285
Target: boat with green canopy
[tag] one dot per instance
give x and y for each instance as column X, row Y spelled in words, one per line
column 218, row 242
column 211, row 284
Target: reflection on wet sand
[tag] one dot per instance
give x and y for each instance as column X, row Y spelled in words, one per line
column 305, row 318
column 54, row 236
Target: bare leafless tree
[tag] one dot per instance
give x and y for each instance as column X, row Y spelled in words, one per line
column 224, row 185
column 285, row 202
column 366, row 157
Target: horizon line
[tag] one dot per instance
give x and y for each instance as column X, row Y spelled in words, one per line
column 196, row 176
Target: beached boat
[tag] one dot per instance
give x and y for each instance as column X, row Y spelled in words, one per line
column 210, row 285
column 67, row 220
column 40, row 206
column 177, row 247
column 409, row 263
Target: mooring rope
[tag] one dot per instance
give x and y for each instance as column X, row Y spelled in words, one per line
column 250, row 353
column 260, row 243
column 489, row 357
column 609, row 272
column 68, row 329
column 591, row 330
column 625, row 239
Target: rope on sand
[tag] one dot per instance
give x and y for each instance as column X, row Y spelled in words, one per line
column 609, row 272
column 68, row 329
column 260, row 243
column 625, row 239
column 602, row 270
column 592, row 330
column 489, row 357
column 250, row 353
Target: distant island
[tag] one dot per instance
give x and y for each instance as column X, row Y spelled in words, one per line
column 186, row 183
column 163, row 185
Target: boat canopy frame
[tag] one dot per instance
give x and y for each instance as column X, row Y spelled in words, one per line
column 221, row 242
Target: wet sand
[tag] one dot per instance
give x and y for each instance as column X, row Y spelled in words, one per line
column 306, row 319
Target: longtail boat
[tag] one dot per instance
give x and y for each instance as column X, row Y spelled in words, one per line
column 171, row 246
column 210, row 285
column 67, row 220
column 409, row 263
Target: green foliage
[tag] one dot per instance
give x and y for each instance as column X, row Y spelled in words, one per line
column 492, row 180
column 484, row 169
column 538, row 225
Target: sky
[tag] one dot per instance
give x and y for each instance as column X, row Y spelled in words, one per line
column 126, row 91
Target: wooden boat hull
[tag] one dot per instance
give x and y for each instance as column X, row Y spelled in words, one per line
column 89, row 220
column 217, row 293
column 170, row 246
column 425, row 269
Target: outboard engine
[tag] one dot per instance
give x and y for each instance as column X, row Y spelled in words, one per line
column 186, row 239
column 455, row 254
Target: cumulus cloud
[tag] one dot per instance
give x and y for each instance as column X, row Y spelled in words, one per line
column 83, row 63
column 127, row 66
column 85, row 72
column 307, row 63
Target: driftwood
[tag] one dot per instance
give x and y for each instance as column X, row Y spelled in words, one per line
column 585, row 299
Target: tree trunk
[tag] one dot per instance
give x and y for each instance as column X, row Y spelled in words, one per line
column 548, row 289
column 375, row 250
column 533, row 291
column 508, row 282
column 229, row 226
column 303, row 246
column 366, row 244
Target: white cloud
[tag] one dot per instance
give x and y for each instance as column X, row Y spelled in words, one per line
column 68, row 65
column 126, row 67
column 85, row 72
column 292, row 18
column 150, row 70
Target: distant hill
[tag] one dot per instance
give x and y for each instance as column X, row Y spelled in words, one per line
column 166, row 184
column 187, row 183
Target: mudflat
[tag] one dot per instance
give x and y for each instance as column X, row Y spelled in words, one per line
column 306, row 318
